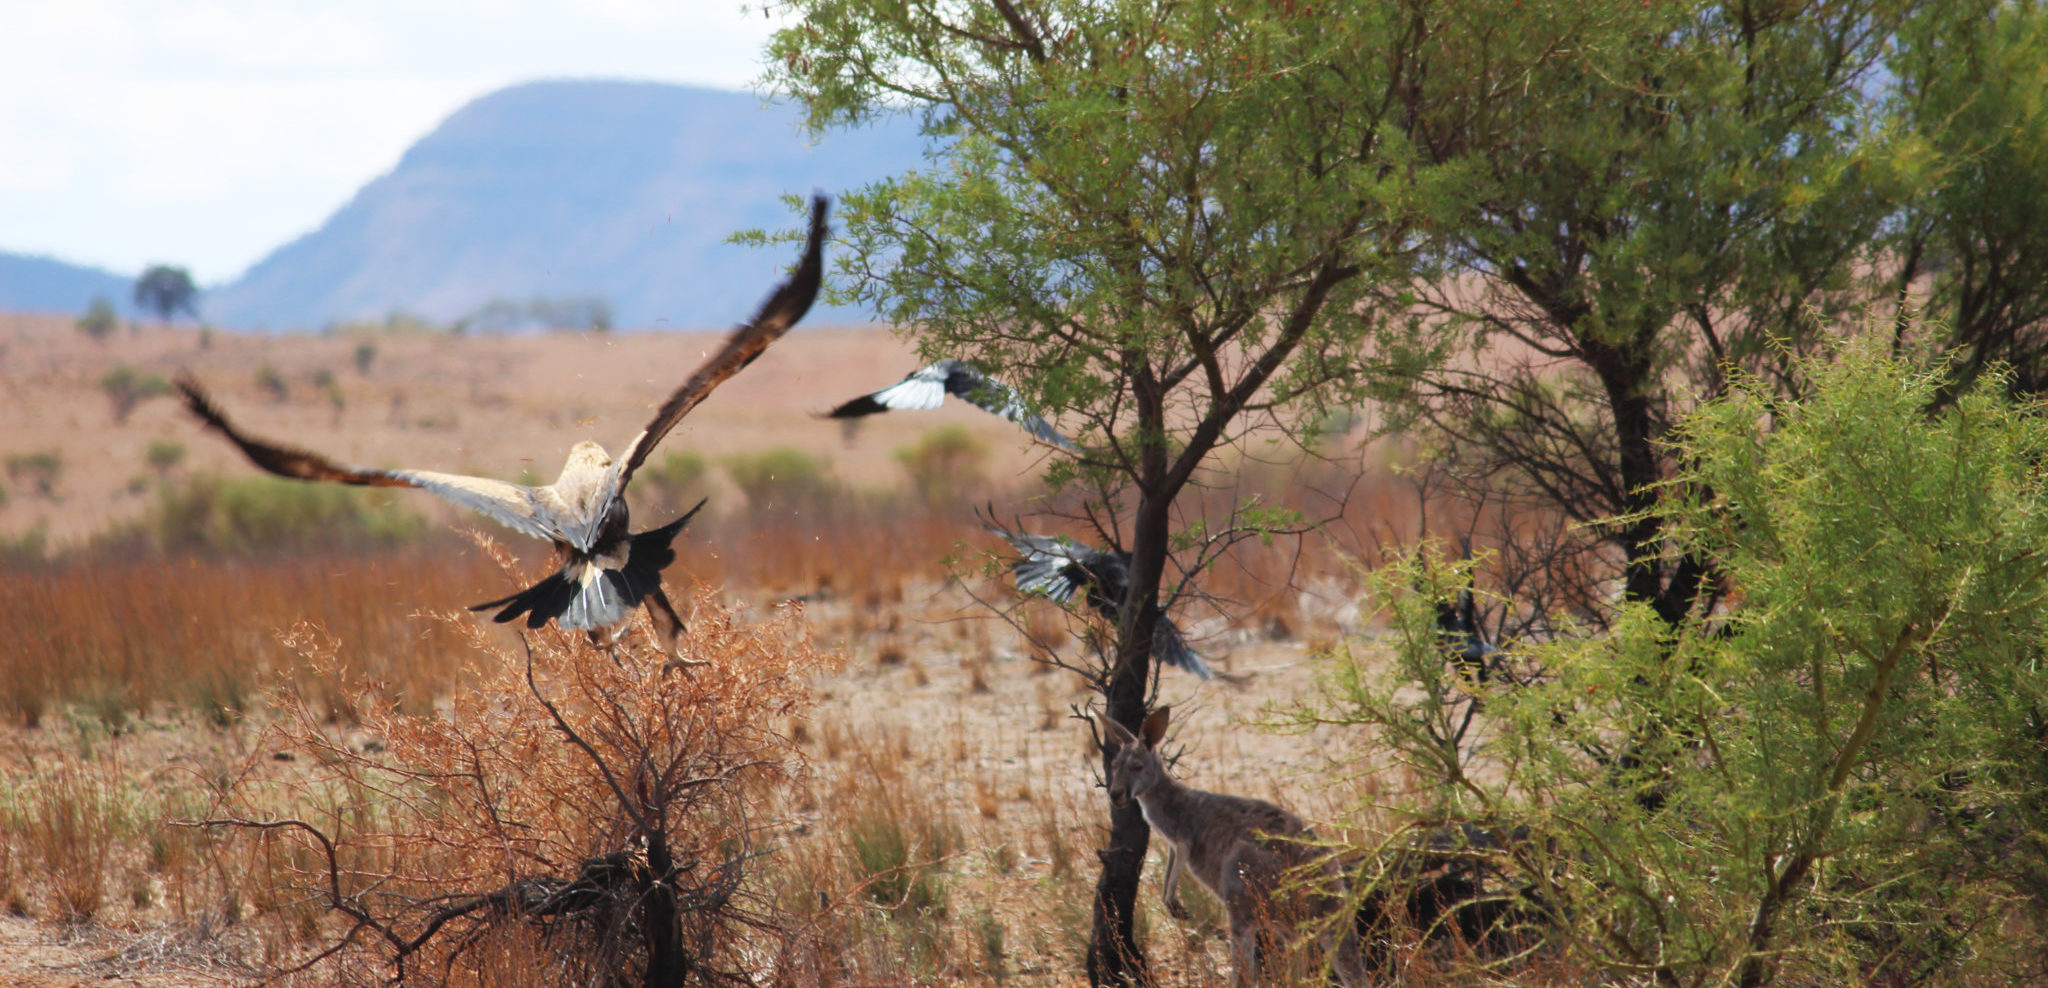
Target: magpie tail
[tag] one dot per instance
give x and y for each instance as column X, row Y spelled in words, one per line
column 585, row 595
column 1173, row 649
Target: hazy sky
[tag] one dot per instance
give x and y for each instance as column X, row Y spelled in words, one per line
column 207, row 132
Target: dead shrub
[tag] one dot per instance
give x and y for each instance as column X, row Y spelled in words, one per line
column 575, row 816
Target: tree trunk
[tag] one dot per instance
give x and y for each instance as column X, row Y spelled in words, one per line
column 668, row 960
column 1625, row 374
column 1113, row 954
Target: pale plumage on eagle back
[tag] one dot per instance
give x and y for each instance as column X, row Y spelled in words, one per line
column 606, row 570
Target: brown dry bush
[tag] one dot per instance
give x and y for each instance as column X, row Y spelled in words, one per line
column 572, row 815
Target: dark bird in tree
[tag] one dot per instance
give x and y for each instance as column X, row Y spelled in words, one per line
column 1464, row 640
column 1054, row 566
column 166, row 291
column 606, row 570
column 927, row 388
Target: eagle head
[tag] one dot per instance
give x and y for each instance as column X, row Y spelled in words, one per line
column 586, row 460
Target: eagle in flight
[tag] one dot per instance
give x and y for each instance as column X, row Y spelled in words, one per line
column 606, row 569
column 927, row 387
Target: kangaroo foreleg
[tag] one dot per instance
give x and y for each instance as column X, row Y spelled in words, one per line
column 1169, row 887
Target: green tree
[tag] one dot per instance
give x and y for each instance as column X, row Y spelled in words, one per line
column 166, row 291
column 1843, row 782
column 676, row 480
column 1160, row 222
column 777, row 478
column 40, row 470
column 100, row 320
column 1971, row 246
column 1657, row 214
column 944, row 464
column 127, row 387
column 163, row 456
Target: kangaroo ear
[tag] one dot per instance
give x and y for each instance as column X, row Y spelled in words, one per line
column 1115, row 735
column 1154, row 727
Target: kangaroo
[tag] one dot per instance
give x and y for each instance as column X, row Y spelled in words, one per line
column 1240, row 849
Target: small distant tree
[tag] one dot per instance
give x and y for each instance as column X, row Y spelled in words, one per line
column 164, row 455
column 100, row 320
column 272, row 383
column 39, row 470
column 944, row 464
column 782, row 477
column 674, row 479
column 329, row 388
column 166, row 291
column 365, row 355
column 127, row 388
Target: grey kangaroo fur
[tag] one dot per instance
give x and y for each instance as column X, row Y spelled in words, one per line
column 1240, row 849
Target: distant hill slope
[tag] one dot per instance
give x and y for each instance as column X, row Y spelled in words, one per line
column 31, row 283
column 620, row 190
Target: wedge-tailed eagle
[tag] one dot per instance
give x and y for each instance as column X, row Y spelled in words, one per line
column 606, row 569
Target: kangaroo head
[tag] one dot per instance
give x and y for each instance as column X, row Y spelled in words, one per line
column 1134, row 764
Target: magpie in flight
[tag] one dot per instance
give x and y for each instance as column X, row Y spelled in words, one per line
column 1054, row 566
column 606, row 569
column 927, row 388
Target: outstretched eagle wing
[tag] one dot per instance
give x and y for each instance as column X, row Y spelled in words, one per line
column 516, row 506
column 784, row 307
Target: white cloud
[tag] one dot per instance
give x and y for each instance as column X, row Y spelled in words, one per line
column 207, row 132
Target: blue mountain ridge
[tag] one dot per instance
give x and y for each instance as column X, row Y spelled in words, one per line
column 623, row 191
column 33, row 283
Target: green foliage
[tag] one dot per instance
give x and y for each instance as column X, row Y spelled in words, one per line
column 1106, row 209
column 1842, row 784
column 255, row 515
column 166, row 291
column 898, row 860
column 100, row 320
column 1656, row 215
column 944, row 464
column 164, row 455
column 127, row 388
column 365, row 355
column 40, row 470
column 781, row 477
column 677, row 479
column 1972, row 93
